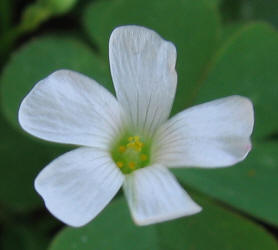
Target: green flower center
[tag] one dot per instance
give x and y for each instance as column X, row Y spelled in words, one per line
column 131, row 153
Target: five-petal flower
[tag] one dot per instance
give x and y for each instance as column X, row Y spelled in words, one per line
column 128, row 141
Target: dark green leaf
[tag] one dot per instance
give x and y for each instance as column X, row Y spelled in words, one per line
column 214, row 228
column 263, row 10
column 112, row 230
column 23, row 238
column 247, row 65
column 250, row 186
column 21, row 160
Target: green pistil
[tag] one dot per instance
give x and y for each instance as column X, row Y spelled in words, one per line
column 131, row 153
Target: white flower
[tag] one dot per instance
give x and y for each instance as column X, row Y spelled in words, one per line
column 128, row 141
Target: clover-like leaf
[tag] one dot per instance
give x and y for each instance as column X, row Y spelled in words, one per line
column 214, row 228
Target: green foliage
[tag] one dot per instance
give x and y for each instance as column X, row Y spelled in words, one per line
column 112, row 230
column 214, row 3
column 214, row 60
column 21, row 160
column 41, row 10
column 250, row 186
column 264, row 10
column 5, row 17
column 31, row 18
column 23, row 238
column 246, row 65
column 214, row 228
column 58, row 7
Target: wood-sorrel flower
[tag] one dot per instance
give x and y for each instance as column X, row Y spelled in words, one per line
column 128, row 141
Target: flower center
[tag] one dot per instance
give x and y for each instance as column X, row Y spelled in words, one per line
column 131, row 153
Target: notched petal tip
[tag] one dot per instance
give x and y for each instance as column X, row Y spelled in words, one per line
column 143, row 71
column 138, row 36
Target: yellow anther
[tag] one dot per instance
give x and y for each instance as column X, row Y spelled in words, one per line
column 143, row 157
column 120, row 164
column 138, row 143
column 130, row 138
column 122, row 149
column 135, row 143
column 131, row 165
column 130, row 145
column 131, row 153
column 135, row 146
column 136, row 138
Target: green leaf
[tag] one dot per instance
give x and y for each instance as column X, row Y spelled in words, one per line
column 231, row 29
column 5, row 17
column 247, row 65
column 111, row 230
column 21, row 160
column 250, row 186
column 213, row 228
column 40, row 57
column 193, row 26
column 214, row 3
column 23, row 238
column 262, row 10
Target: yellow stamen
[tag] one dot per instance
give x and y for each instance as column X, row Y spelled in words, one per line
column 143, row 157
column 120, row 164
column 131, row 165
column 122, row 149
column 130, row 138
column 136, row 138
column 131, row 154
column 135, row 143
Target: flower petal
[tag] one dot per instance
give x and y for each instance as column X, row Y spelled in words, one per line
column 143, row 71
column 213, row 134
column 154, row 195
column 78, row 185
column 68, row 107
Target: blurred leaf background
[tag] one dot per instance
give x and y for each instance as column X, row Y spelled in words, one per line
column 225, row 47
